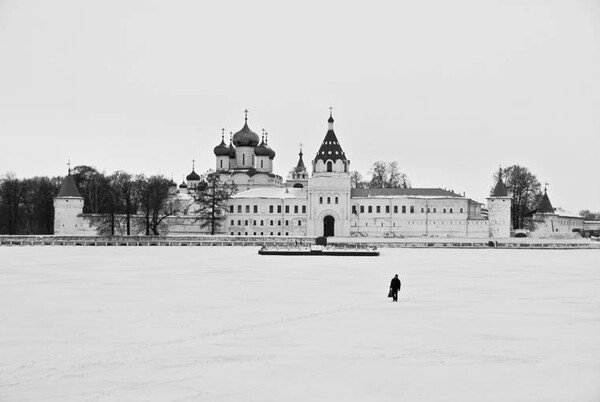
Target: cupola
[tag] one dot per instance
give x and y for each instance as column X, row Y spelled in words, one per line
column 245, row 137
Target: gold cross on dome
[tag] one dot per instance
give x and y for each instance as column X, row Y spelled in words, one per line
column 330, row 110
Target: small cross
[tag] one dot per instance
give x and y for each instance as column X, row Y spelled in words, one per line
column 223, row 134
column 246, row 114
column 193, row 164
column 69, row 165
column 330, row 111
column 300, row 147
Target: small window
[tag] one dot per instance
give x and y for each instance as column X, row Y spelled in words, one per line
column 279, row 223
column 461, row 210
column 395, row 209
column 329, row 166
column 271, row 222
column 303, row 209
column 246, row 223
column 243, row 159
column 278, row 209
column 254, row 223
column 336, row 200
column 320, row 200
column 287, row 223
column 444, row 211
column 329, row 200
column 270, row 209
column 299, row 223
column 404, row 209
column 412, row 209
column 378, row 209
column 434, row 210
column 239, row 209
column 232, row 222
column 287, row 209
column 362, row 209
column 247, row 209
column 295, row 209
column 387, row 209
column 256, row 209
column 370, row 209
column 239, row 222
column 232, row 233
column 221, row 166
column 261, row 164
column 262, row 223
column 354, row 210
column 231, row 209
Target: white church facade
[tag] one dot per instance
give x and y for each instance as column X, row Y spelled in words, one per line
column 319, row 203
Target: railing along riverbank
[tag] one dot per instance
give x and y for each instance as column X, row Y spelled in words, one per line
column 258, row 241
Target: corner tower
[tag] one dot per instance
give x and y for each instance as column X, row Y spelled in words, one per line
column 68, row 206
column 499, row 204
column 329, row 189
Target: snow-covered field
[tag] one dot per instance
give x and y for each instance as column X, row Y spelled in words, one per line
column 224, row 324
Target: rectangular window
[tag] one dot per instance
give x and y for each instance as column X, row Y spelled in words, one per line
column 434, row 210
column 287, row 223
column 387, row 209
column 303, row 209
column 232, row 222
column 412, row 209
column 395, row 209
column 370, row 209
column 444, row 210
column 246, row 223
column 270, row 209
column 362, row 209
column 271, row 222
column 247, row 209
column 378, row 209
column 295, row 209
column 254, row 223
column 354, row 210
column 428, row 209
column 231, row 209
column 278, row 209
column 279, row 223
column 404, row 209
column 239, row 222
column 239, row 209
column 256, row 209
column 461, row 210
column 287, row 209
column 299, row 223
column 262, row 223
column 450, row 210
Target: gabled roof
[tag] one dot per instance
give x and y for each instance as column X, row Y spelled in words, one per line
column 69, row 188
column 402, row 192
column 545, row 206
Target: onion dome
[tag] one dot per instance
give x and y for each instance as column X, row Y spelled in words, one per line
column 222, row 149
column 330, row 148
column 271, row 152
column 183, row 185
column 262, row 149
column 245, row 137
column 231, row 147
column 192, row 176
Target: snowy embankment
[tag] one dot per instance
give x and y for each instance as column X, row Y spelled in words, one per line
column 225, row 324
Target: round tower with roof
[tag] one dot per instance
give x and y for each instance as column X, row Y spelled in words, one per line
column 329, row 189
column 68, row 207
column 499, row 204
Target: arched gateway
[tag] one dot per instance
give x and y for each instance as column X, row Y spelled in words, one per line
column 329, row 226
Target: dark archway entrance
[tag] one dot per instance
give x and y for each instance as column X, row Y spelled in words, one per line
column 328, row 226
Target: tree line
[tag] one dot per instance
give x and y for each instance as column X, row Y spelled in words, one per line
column 117, row 203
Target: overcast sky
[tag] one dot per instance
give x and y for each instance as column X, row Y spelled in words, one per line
column 448, row 89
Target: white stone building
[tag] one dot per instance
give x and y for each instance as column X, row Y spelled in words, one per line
column 318, row 204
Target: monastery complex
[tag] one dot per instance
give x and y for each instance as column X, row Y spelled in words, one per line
column 322, row 202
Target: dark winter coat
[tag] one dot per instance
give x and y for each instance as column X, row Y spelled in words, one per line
column 395, row 284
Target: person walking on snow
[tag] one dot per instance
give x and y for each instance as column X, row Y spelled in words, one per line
column 395, row 288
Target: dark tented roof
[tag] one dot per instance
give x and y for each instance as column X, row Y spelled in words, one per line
column 500, row 189
column 69, row 188
column 545, row 206
column 300, row 166
column 330, row 149
column 416, row 192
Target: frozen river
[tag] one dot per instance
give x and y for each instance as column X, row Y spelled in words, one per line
column 224, row 324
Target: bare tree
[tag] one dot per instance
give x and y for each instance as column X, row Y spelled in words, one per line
column 155, row 203
column 387, row 175
column 125, row 189
column 525, row 190
column 211, row 197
